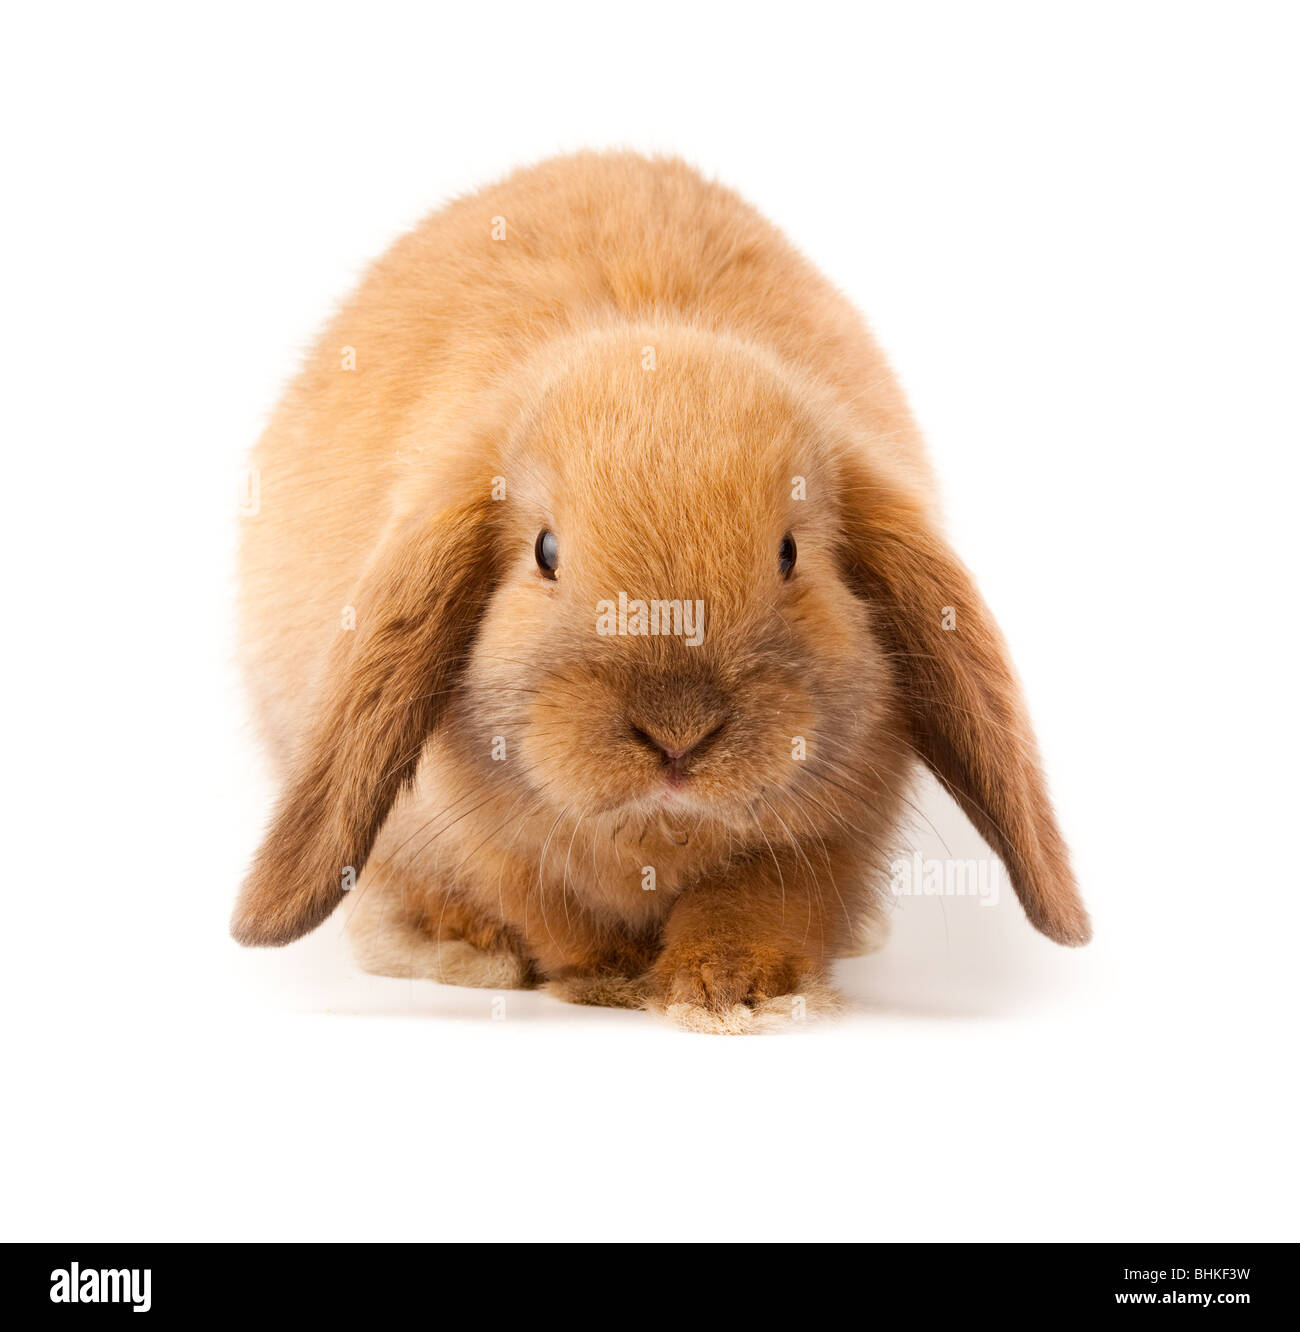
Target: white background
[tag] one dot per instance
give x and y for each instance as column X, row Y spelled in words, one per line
column 1074, row 230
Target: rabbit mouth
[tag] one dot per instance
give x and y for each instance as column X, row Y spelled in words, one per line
column 676, row 795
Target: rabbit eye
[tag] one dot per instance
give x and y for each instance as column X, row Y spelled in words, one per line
column 787, row 555
column 547, row 551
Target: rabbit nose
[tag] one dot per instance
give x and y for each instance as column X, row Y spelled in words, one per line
column 673, row 749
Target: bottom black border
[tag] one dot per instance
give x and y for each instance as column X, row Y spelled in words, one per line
column 365, row 1280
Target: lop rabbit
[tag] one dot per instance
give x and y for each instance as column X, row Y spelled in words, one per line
column 597, row 615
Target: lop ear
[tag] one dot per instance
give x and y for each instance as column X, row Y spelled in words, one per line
column 385, row 689
column 966, row 716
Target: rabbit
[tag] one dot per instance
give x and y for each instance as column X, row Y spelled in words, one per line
column 597, row 615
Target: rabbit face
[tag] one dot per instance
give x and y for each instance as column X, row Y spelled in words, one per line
column 671, row 629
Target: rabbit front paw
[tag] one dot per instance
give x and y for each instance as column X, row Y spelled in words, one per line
column 734, row 988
